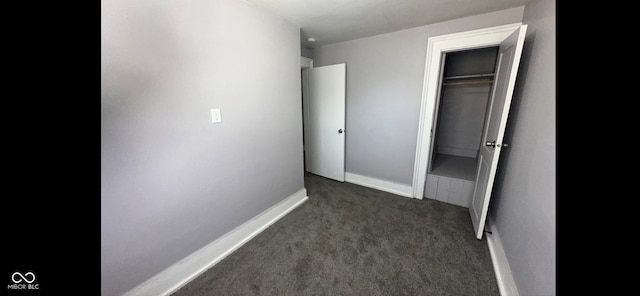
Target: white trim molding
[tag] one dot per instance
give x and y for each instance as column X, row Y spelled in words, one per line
column 190, row 267
column 437, row 46
column 506, row 284
column 383, row 185
column 305, row 62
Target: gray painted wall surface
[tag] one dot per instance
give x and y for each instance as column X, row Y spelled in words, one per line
column 524, row 203
column 172, row 181
column 384, row 88
column 463, row 107
column 461, row 119
column 474, row 61
column 306, row 47
column 306, row 52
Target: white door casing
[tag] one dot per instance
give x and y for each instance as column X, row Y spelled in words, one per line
column 492, row 144
column 305, row 62
column 324, row 109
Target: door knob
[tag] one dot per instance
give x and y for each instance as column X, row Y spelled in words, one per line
column 340, row 131
column 493, row 144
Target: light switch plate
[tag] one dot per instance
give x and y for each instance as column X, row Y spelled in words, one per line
column 215, row 115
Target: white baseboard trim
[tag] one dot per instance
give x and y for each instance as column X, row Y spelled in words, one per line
column 506, row 284
column 388, row 186
column 179, row 274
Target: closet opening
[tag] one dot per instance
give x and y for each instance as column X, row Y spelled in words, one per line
column 466, row 83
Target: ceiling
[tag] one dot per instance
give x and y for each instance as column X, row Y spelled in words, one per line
column 332, row 21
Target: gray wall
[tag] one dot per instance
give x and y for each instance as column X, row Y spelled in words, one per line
column 306, row 52
column 461, row 119
column 524, row 202
column 463, row 107
column 384, row 88
column 171, row 181
column 474, row 61
column 306, row 47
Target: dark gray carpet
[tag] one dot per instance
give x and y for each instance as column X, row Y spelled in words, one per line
column 352, row 240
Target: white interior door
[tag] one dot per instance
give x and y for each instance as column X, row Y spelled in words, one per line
column 495, row 124
column 324, row 109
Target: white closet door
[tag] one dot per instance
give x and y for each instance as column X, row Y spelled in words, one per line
column 491, row 146
column 325, row 109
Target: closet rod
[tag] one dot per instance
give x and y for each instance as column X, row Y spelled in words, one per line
column 469, row 82
column 470, row 76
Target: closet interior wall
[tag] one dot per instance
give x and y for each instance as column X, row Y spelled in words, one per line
column 467, row 80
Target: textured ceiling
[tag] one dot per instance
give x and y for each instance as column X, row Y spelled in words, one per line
column 331, row 21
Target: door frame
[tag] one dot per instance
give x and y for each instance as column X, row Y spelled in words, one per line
column 305, row 62
column 304, row 89
column 437, row 46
